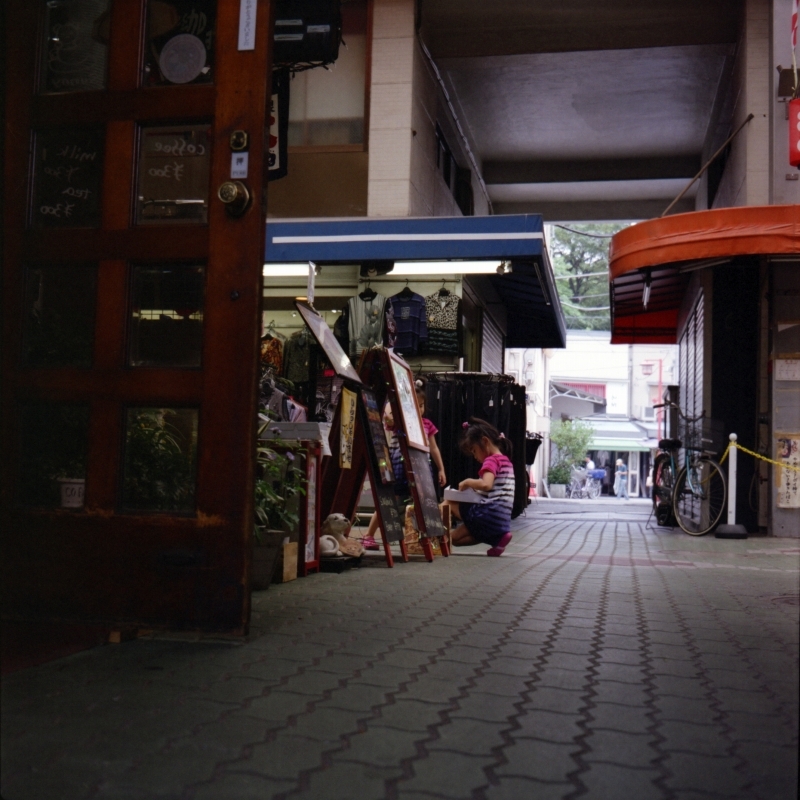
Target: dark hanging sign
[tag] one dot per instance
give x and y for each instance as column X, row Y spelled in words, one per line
column 307, row 33
column 278, row 128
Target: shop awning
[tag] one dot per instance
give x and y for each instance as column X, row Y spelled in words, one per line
column 528, row 292
column 617, row 433
column 665, row 251
column 620, row 445
column 564, row 389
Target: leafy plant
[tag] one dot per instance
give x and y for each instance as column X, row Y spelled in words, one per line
column 278, row 484
column 572, row 439
column 159, row 463
column 558, row 473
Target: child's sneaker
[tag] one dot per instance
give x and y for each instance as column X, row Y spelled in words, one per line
column 369, row 543
column 498, row 549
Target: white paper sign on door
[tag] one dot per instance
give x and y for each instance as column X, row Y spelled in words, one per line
column 247, row 24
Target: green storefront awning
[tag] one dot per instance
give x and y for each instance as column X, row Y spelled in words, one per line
column 620, row 445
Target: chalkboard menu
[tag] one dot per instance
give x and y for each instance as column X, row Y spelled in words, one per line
column 424, row 492
column 386, row 504
column 75, row 47
column 68, row 176
column 174, row 168
column 374, row 422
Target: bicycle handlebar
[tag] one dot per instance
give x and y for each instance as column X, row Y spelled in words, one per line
column 680, row 413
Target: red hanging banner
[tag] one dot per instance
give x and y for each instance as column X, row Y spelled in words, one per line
column 794, row 132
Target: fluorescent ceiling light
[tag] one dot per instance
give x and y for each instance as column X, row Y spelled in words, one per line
column 444, row 267
column 400, row 268
column 286, row 270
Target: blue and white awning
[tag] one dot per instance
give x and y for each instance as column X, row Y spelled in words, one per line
column 408, row 238
column 528, row 292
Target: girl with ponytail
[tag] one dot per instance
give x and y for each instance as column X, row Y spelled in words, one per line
column 487, row 522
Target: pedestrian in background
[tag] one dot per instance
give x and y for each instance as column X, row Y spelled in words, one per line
column 621, row 480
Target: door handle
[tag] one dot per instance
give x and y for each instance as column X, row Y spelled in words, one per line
column 236, row 197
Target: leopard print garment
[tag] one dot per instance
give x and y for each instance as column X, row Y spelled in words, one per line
column 442, row 311
column 442, row 317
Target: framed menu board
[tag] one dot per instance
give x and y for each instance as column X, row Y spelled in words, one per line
column 374, row 423
column 424, row 493
column 403, row 384
column 328, row 342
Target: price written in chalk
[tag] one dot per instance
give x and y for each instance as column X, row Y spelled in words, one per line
column 67, row 178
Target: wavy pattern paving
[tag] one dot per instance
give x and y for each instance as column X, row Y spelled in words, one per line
column 597, row 658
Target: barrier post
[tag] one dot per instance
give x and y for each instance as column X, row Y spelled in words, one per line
column 731, row 530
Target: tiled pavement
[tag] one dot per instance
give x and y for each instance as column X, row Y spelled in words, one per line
column 597, row 658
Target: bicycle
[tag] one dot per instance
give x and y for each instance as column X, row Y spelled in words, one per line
column 584, row 483
column 695, row 495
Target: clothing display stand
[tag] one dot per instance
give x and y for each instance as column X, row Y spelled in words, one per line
column 451, row 398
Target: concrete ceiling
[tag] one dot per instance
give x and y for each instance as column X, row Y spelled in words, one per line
column 583, row 110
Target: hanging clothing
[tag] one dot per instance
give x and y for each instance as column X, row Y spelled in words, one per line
column 272, row 353
column 366, row 323
column 296, row 357
column 443, row 315
column 340, row 330
column 391, row 326
column 410, row 319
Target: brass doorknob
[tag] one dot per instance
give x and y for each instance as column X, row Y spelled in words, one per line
column 236, row 197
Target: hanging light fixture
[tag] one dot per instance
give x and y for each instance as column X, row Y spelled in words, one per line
column 646, row 291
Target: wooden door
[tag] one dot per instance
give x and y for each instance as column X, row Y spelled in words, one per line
column 131, row 309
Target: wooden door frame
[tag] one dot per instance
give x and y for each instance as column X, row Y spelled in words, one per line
column 101, row 564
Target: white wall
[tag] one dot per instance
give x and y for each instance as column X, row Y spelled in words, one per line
column 530, row 368
column 590, row 357
column 389, row 183
column 406, row 104
column 746, row 181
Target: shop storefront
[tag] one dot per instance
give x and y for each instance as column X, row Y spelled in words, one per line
column 725, row 286
column 444, row 295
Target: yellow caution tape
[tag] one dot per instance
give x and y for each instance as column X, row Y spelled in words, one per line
column 781, row 464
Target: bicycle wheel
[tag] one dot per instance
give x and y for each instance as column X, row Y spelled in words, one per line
column 699, row 497
column 663, row 481
column 594, row 490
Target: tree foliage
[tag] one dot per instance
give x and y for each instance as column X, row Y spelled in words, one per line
column 580, row 265
column 571, row 439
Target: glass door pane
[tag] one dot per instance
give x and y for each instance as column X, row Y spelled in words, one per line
column 75, row 49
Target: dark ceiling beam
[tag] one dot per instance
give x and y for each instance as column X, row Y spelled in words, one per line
column 570, row 171
column 585, row 211
column 475, row 28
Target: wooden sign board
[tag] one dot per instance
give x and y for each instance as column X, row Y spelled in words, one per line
column 373, row 423
column 424, row 493
column 328, row 342
column 391, row 521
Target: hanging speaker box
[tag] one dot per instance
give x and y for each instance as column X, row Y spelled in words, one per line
column 307, row 32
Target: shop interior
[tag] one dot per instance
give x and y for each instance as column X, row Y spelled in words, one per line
column 284, row 334
column 300, row 388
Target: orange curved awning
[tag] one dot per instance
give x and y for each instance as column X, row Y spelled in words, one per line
column 668, row 248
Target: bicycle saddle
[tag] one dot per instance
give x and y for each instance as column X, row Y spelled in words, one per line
column 670, row 444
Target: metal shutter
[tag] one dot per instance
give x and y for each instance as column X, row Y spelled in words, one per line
column 491, row 346
column 690, row 357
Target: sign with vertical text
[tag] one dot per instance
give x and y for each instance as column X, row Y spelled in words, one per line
column 247, row 24
column 348, row 406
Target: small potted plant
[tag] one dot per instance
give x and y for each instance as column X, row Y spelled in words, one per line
column 71, row 479
column 278, row 489
column 558, row 476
